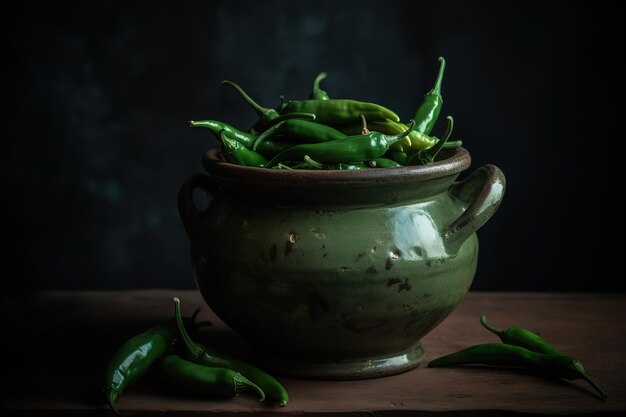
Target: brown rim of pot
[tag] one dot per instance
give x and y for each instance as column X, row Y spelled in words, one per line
column 457, row 161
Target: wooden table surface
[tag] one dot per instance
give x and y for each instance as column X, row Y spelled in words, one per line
column 56, row 345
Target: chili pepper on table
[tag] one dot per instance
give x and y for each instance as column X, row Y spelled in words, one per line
column 301, row 131
column 318, row 93
column 202, row 355
column 358, row 148
column 191, row 378
column 427, row 113
column 519, row 336
column 501, row 354
column 267, row 116
column 235, row 153
column 339, row 111
column 138, row 354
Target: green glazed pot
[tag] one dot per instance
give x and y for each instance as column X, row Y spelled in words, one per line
column 337, row 274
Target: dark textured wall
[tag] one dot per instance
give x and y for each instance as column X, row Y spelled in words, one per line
column 95, row 97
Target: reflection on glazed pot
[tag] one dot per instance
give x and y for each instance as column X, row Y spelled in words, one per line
column 331, row 275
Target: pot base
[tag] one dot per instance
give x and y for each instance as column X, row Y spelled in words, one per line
column 357, row 369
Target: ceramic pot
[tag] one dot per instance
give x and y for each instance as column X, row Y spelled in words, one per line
column 337, row 274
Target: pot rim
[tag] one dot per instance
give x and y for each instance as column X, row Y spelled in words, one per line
column 458, row 160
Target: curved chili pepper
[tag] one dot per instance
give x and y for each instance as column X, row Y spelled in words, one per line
column 191, row 378
column 339, row 111
column 138, row 354
column 246, row 139
column 267, row 116
column 416, row 141
column 200, row 354
column 235, row 153
column 301, row 131
column 501, row 354
column 427, row 113
column 318, row 93
column 265, row 148
column 358, row 148
column 519, row 336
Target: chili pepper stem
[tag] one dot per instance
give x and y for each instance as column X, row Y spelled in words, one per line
column 112, row 395
column 261, row 111
column 494, row 330
column 283, row 166
column 452, row 144
column 313, row 163
column 269, row 132
column 364, row 130
column 395, row 138
column 428, row 155
column 318, row 79
column 242, row 383
column 578, row 366
column 294, row 115
column 192, row 348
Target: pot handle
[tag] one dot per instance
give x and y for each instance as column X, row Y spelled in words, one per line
column 189, row 214
column 482, row 192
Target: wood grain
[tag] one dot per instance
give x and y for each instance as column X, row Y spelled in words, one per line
column 56, row 345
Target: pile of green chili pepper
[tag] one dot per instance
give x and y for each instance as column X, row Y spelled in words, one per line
column 320, row 132
column 520, row 348
column 184, row 365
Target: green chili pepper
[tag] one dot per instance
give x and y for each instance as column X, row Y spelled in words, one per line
column 202, row 355
column 301, row 131
column 235, row 153
column 428, row 112
column 265, row 148
column 339, row 111
column 383, row 163
column 318, row 93
column 358, row 148
column 501, row 354
column 190, row 378
column 267, row 116
column 414, row 142
column 246, row 139
column 428, row 156
column 339, row 166
column 137, row 355
column 400, row 157
column 521, row 337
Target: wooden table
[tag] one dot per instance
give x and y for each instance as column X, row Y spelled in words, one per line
column 57, row 344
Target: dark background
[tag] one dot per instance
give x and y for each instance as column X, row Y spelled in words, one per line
column 96, row 96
